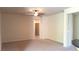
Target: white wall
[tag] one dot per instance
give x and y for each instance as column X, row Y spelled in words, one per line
column 44, row 28
column 76, row 27
column 60, row 27
column 53, row 27
column 16, row 27
column 0, row 31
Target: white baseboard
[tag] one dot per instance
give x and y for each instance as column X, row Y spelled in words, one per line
column 56, row 41
column 16, row 40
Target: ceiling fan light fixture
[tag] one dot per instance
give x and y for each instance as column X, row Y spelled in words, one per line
column 36, row 13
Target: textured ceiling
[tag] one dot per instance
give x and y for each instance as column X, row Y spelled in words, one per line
column 29, row 10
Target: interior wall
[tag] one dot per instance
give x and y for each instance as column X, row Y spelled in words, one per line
column 76, row 27
column 0, row 31
column 16, row 27
column 43, row 27
column 53, row 27
column 60, row 26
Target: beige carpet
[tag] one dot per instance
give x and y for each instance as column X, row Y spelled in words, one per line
column 35, row 45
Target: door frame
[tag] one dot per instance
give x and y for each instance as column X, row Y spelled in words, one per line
column 68, row 26
column 34, row 21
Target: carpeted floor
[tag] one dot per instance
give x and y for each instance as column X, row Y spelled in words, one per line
column 35, row 45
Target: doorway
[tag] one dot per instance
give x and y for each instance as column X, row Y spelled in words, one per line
column 76, row 26
column 36, row 29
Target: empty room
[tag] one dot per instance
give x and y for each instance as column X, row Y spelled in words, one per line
column 36, row 29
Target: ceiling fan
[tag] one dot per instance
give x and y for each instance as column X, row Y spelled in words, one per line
column 36, row 13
